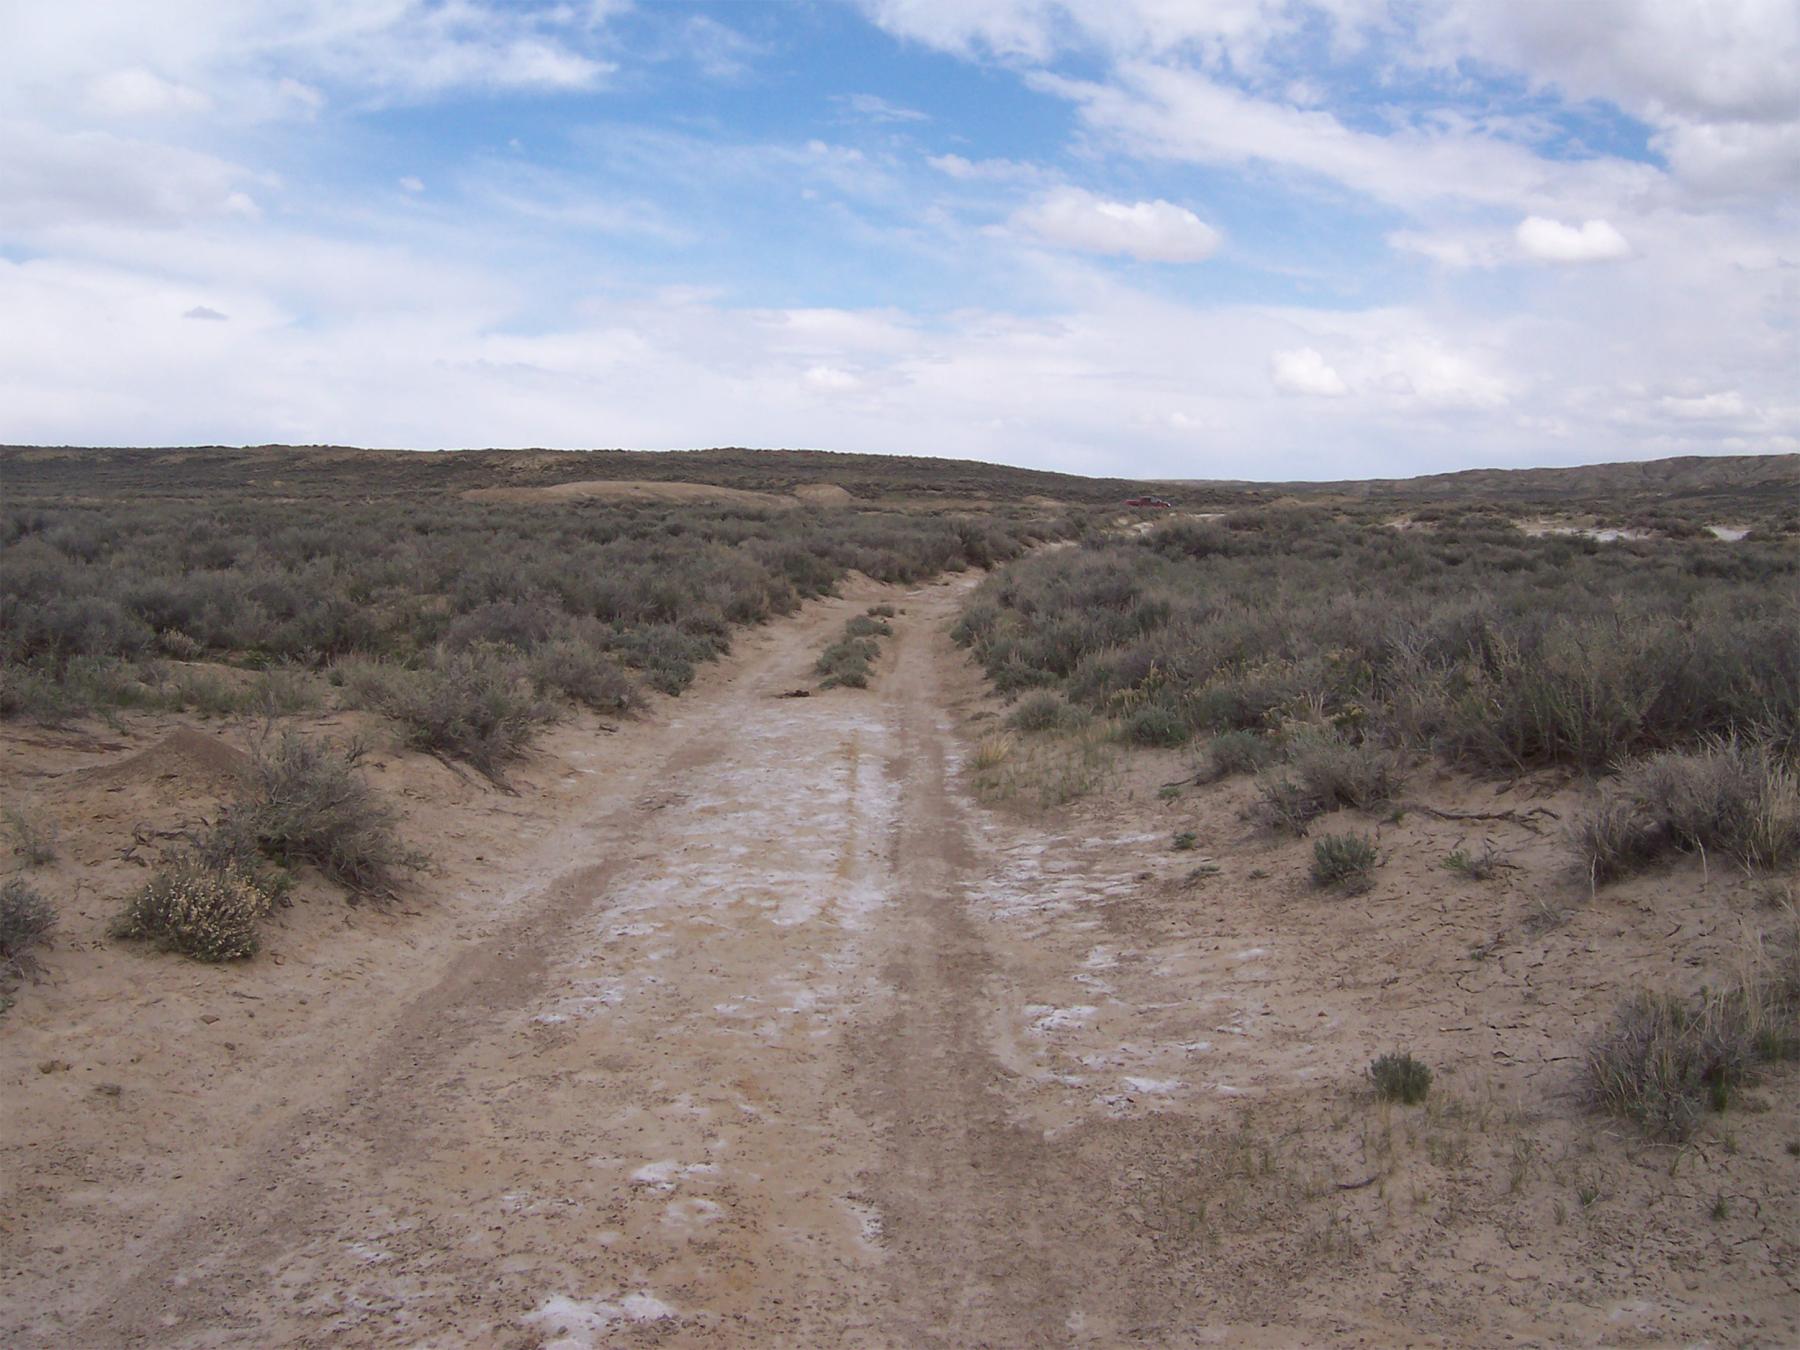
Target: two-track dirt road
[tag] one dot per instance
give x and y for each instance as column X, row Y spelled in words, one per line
column 724, row 1072
column 759, row 1031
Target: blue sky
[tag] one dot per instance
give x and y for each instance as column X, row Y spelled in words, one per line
column 1238, row 238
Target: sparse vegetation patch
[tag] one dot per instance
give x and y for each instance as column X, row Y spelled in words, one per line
column 199, row 908
column 1345, row 861
column 1398, row 1077
column 27, row 920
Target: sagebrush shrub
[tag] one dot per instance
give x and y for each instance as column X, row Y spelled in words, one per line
column 27, row 920
column 1664, row 1061
column 189, row 906
column 1340, row 773
column 1282, row 804
column 1730, row 797
column 1398, row 1077
column 866, row 625
column 1346, row 861
column 584, row 675
column 305, row 801
column 1157, row 723
column 1235, row 752
column 1041, row 711
column 847, row 663
column 477, row 706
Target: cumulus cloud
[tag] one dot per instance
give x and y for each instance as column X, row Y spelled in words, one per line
column 1303, row 371
column 1154, row 231
column 1552, row 241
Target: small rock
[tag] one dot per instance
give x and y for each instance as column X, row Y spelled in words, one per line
column 209, row 1018
column 53, row 1066
column 108, row 1089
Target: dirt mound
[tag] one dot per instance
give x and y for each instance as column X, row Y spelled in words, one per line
column 185, row 754
column 823, row 494
column 622, row 490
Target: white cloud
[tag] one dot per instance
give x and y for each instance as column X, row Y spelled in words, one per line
column 139, row 93
column 1734, row 158
column 55, row 181
column 1164, row 112
column 1721, row 59
column 186, row 55
column 990, row 170
column 1303, row 371
column 1455, row 248
column 1235, row 33
column 411, row 184
column 1705, row 407
column 831, row 379
column 1154, row 231
column 877, row 109
column 1552, row 241
column 207, row 313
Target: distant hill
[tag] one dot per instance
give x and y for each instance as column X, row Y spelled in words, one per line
column 40, row 472
column 1689, row 477
column 287, row 471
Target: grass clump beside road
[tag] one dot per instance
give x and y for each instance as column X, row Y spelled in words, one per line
column 850, row 660
column 1665, row 1061
column 302, row 803
column 27, row 920
column 1728, row 798
column 1345, row 862
column 306, row 802
column 197, row 907
column 1398, row 1077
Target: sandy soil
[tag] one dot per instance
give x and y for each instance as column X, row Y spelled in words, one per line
column 747, row 1025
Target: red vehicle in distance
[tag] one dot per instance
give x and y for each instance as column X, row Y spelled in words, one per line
column 1150, row 503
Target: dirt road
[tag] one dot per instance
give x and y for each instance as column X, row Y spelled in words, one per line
column 747, row 1026
column 722, row 1071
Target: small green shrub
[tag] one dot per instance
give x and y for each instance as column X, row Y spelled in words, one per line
column 1157, row 723
column 881, row 611
column 1398, row 1077
column 1235, row 752
column 27, row 920
column 864, row 625
column 1340, row 773
column 34, row 836
column 848, row 663
column 584, row 675
column 1346, row 861
column 1282, row 804
column 1664, row 1061
column 1041, row 711
column 306, row 802
column 1482, row 866
column 1185, row 841
column 477, row 706
column 200, row 910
